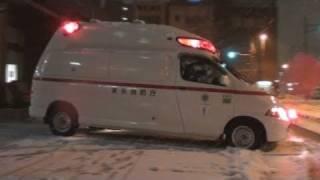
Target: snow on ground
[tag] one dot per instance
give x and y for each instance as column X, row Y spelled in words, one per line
column 30, row 152
column 308, row 111
column 305, row 107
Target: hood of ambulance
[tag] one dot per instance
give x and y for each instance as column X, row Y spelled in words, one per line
column 250, row 100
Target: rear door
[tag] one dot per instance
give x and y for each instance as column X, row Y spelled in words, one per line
column 204, row 103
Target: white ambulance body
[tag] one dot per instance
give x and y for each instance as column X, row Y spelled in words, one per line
column 152, row 79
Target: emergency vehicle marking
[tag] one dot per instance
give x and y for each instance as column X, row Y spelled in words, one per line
column 153, row 86
column 227, row 99
column 133, row 92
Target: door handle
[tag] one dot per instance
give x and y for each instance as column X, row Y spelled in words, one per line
column 205, row 97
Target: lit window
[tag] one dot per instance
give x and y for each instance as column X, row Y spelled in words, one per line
column 11, row 72
column 124, row 19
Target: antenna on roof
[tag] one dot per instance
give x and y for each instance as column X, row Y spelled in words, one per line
column 96, row 21
column 138, row 21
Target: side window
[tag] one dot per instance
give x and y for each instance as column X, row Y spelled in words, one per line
column 200, row 70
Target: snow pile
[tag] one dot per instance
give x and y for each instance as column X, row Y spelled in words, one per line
column 244, row 164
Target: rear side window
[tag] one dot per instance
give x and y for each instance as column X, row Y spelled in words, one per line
column 200, row 70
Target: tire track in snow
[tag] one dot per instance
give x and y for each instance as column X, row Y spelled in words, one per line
column 28, row 165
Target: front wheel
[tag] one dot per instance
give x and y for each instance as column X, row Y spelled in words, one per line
column 63, row 122
column 245, row 135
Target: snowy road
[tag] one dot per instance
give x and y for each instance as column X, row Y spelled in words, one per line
column 28, row 151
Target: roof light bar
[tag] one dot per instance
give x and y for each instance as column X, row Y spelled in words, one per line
column 197, row 44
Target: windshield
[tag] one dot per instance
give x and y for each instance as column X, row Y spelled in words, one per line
column 230, row 68
column 239, row 75
column 201, row 70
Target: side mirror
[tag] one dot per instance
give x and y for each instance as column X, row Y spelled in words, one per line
column 224, row 80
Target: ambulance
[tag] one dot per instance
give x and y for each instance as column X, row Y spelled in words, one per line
column 149, row 79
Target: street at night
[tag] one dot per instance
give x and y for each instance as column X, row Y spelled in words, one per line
column 159, row 90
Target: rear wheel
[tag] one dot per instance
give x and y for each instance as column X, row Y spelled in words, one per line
column 63, row 121
column 245, row 135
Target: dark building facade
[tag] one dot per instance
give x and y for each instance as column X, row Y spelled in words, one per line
column 241, row 24
column 12, row 43
column 197, row 17
column 152, row 12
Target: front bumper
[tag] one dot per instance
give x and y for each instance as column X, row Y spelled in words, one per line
column 276, row 130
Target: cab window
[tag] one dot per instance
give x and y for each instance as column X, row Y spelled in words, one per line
column 201, row 70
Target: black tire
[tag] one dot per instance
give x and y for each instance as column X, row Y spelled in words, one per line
column 252, row 136
column 68, row 119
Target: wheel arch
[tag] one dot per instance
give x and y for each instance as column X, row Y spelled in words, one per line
column 63, row 105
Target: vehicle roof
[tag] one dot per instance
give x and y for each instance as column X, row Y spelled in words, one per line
column 129, row 27
column 100, row 34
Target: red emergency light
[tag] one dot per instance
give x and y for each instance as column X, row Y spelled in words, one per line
column 197, row 44
column 70, row 27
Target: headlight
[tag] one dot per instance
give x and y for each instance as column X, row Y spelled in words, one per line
column 282, row 113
